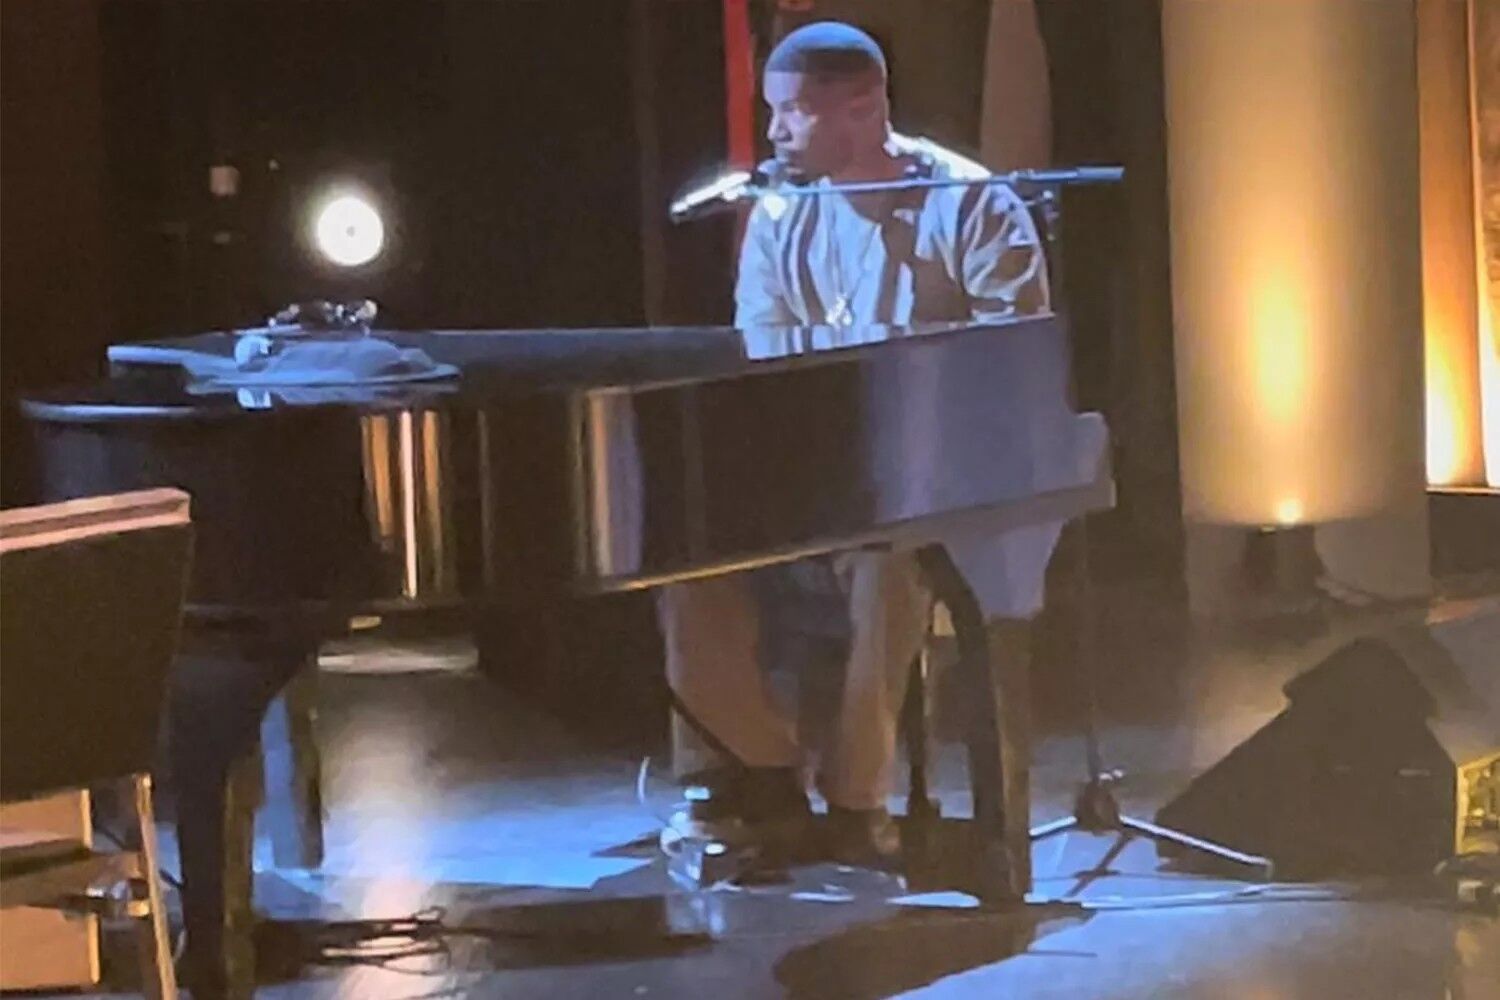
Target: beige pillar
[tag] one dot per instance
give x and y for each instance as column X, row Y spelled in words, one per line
column 1015, row 129
column 1296, row 272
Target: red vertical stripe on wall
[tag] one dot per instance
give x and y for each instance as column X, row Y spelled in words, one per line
column 739, row 83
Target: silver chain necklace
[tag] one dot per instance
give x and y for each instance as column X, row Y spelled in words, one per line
column 840, row 312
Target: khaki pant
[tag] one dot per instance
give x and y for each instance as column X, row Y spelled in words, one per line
column 716, row 665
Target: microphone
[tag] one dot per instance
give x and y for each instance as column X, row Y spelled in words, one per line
column 719, row 195
column 725, row 193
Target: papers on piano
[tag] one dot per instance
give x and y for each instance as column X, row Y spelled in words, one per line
column 217, row 362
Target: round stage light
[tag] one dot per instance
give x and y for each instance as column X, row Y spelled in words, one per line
column 348, row 230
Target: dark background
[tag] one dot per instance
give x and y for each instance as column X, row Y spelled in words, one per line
column 525, row 151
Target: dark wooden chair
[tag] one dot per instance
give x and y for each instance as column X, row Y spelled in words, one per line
column 91, row 596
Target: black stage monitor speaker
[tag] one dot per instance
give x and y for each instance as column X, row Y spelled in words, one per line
column 1386, row 759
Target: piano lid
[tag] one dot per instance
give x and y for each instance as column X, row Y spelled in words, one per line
column 582, row 461
column 149, row 379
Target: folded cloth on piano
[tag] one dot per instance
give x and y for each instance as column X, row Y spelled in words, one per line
column 266, row 361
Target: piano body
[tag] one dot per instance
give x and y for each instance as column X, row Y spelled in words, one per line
column 563, row 462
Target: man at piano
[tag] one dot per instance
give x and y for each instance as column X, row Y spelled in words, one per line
column 840, row 261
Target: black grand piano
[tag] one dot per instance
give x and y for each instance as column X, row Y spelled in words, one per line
column 567, row 463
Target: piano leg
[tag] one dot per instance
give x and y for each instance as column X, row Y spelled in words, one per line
column 293, row 805
column 217, row 700
column 1009, row 645
column 995, row 874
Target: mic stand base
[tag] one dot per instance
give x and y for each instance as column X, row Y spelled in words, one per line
column 1096, row 811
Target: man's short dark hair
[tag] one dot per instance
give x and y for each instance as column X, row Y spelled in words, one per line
column 830, row 50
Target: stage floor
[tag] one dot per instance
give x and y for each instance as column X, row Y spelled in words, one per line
column 443, row 790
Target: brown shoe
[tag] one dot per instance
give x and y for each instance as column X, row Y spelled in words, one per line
column 862, row 838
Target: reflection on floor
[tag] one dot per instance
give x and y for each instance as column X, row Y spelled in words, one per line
column 445, row 792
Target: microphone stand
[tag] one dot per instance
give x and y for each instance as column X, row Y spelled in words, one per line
column 1095, row 809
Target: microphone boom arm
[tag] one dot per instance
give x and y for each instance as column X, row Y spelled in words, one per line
column 743, row 187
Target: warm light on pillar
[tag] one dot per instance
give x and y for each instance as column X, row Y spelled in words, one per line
column 1450, row 285
column 1452, row 413
column 1292, row 157
column 1489, row 378
column 1484, row 72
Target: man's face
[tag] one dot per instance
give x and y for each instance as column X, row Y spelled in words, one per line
column 816, row 125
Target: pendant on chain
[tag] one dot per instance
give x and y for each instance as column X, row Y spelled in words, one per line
column 839, row 314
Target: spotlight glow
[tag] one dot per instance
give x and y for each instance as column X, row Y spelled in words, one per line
column 348, row 230
column 1288, row 511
